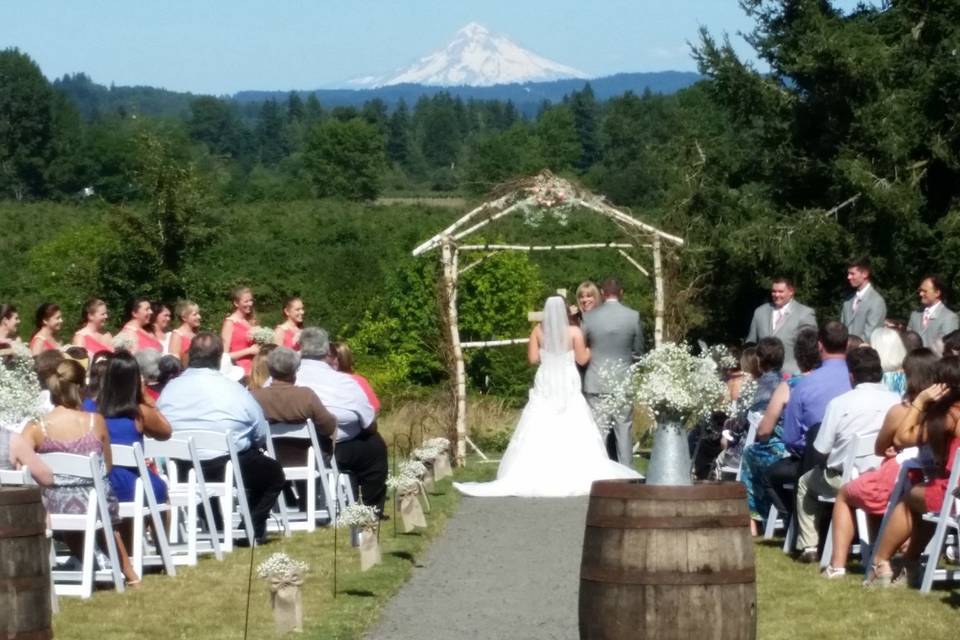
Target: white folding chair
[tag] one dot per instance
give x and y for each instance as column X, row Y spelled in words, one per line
column 860, row 455
column 899, row 489
column 144, row 502
column 231, row 489
column 946, row 518
column 310, row 473
column 96, row 518
column 753, row 421
column 185, row 496
column 15, row 477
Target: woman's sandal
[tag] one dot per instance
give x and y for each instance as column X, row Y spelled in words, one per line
column 878, row 578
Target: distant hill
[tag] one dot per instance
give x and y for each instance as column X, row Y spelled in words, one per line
column 92, row 98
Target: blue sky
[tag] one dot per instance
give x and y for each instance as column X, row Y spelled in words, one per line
column 221, row 46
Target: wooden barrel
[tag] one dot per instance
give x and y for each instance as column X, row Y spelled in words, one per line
column 668, row 563
column 24, row 566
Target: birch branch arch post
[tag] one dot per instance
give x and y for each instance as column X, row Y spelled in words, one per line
column 542, row 192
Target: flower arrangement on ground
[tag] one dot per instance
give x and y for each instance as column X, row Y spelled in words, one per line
column 286, row 577
column 364, row 523
column 407, row 489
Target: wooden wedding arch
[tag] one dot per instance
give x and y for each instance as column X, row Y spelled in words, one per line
column 543, row 191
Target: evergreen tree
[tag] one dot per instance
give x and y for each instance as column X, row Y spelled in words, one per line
column 398, row 135
column 586, row 114
column 295, row 108
column 559, row 142
column 269, row 134
column 346, row 159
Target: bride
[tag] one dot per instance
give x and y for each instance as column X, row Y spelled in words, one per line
column 556, row 449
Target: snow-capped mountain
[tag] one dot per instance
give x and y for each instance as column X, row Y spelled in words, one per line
column 476, row 57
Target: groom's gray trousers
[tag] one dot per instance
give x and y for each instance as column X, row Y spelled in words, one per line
column 617, row 424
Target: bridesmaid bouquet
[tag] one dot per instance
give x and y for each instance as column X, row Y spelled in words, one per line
column 262, row 335
column 19, row 389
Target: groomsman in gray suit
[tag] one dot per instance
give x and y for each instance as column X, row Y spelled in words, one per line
column 864, row 310
column 935, row 321
column 614, row 334
column 782, row 317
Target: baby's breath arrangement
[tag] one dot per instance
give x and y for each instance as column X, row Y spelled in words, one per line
column 672, row 381
column 403, row 484
column 281, row 566
column 426, row 453
column 123, row 341
column 262, row 335
column 358, row 515
column 412, row 469
column 19, row 388
column 440, row 444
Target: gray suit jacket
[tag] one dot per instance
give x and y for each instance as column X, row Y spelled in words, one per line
column 943, row 322
column 614, row 334
column 798, row 316
column 871, row 312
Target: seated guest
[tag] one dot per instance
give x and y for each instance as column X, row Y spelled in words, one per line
column 169, row 368
column 69, row 429
column 282, row 402
column 49, row 319
column 889, row 346
column 137, row 317
column 855, row 342
column 768, row 447
column 345, row 365
column 148, row 360
column 130, row 413
column 808, row 402
column 359, row 449
column 188, row 313
column 259, row 373
column 203, row 398
column 287, row 333
column 858, row 412
column 951, row 344
column 91, row 334
column 871, row 490
column 933, row 419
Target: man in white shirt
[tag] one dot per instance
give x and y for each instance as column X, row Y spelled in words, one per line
column 936, row 320
column 202, row 398
column 865, row 309
column 858, row 412
column 359, row 449
column 782, row 318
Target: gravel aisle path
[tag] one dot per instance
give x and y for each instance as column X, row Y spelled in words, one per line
column 505, row 568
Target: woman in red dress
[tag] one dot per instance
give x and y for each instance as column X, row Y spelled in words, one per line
column 160, row 323
column 49, row 321
column 137, row 316
column 236, row 330
column 180, row 338
column 91, row 335
column 288, row 331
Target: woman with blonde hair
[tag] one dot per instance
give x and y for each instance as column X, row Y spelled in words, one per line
column 889, row 345
column 236, row 330
column 588, row 298
column 188, row 313
column 345, row 365
column 91, row 335
column 259, row 373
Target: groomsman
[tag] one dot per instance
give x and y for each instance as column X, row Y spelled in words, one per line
column 864, row 310
column 936, row 320
column 782, row 318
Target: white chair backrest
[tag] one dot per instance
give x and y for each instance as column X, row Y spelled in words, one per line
column 860, row 455
column 15, row 477
column 71, row 464
column 211, row 441
column 172, row 449
column 122, row 455
column 753, row 422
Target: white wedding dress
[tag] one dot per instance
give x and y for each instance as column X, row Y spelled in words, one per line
column 556, row 449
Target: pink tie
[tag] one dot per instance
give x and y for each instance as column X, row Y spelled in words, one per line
column 778, row 318
column 926, row 317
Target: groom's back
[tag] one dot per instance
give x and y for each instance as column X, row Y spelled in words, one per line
column 614, row 334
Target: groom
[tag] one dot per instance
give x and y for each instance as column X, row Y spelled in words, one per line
column 614, row 334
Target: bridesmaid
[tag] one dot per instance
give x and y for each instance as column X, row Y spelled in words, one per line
column 236, row 330
column 159, row 323
column 288, row 331
column 180, row 338
column 49, row 320
column 9, row 324
column 137, row 316
column 91, row 335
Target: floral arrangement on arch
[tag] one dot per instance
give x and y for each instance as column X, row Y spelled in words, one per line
column 19, row 388
column 548, row 195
